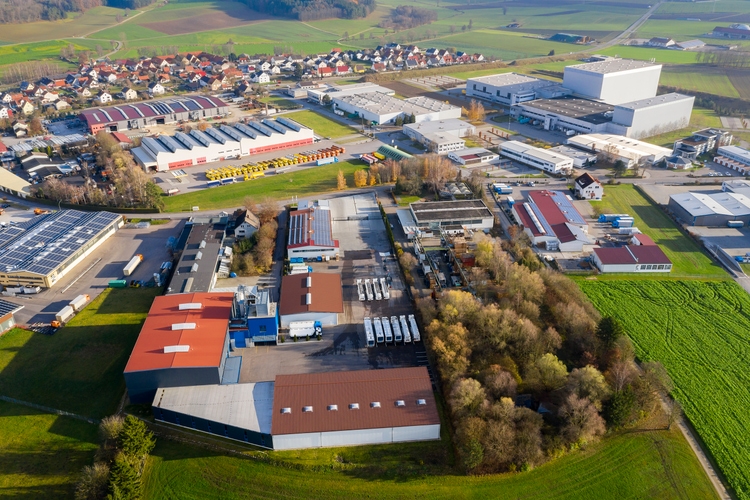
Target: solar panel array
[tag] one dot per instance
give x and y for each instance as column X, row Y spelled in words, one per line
column 278, row 128
column 43, row 243
column 260, row 128
column 289, row 123
column 567, row 208
column 58, row 140
column 311, row 224
column 8, row 307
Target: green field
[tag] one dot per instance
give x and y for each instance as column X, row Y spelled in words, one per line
column 79, row 368
column 661, row 56
column 75, row 25
column 10, row 54
column 322, row 125
column 701, row 118
column 643, row 464
column 280, row 186
column 687, row 258
column 700, row 331
column 41, row 455
column 699, row 79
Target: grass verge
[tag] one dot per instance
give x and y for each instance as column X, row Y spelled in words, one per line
column 79, row 368
column 322, row 125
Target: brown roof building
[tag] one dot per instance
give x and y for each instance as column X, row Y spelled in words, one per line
column 311, row 297
column 353, row 408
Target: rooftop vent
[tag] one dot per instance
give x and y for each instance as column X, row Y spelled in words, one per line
column 333, row 407
column 309, row 282
column 375, row 404
column 307, row 409
column 183, row 326
column 194, row 268
column 203, row 244
column 400, row 403
column 176, row 348
column 421, row 402
column 190, row 305
column 354, row 406
column 286, row 410
column 199, row 256
column 308, row 298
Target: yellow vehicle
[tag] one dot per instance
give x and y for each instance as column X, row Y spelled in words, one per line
column 256, row 175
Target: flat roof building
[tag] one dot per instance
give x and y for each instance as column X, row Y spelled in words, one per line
column 631, row 151
column 733, row 157
column 354, row 408
column 511, row 88
column 580, row 158
column 473, row 156
column 701, row 142
column 311, row 297
column 40, row 251
column 184, row 341
column 311, row 233
column 440, row 136
column 652, row 115
column 433, row 215
column 613, row 81
column 157, row 112
column 717, row 209
column 317, row 94
column 542, row 159
column 202, row 247
column 381, row 108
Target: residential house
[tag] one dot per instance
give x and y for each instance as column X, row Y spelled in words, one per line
column 247, row 223
column 588, row 187
column 104, row 97
column 6, row 112
column 20, row 129
column 155, row 88
column 260, row 77
column 128, row 94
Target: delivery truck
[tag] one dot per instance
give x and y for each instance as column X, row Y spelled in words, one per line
column 134, row 262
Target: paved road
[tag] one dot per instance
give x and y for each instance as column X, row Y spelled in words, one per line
column 631, row 29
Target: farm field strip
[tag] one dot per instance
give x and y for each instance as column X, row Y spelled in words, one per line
column 700, row 331
column 699, row 79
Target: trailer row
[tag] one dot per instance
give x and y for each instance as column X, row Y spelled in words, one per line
column 393, row 330
column 375, row 289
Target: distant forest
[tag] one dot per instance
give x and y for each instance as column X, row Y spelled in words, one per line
column 27, row 11
column 405, row 17
column 311, row 10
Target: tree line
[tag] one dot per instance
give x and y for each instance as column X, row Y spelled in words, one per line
column 405, row 17
column 529, row 368
column 309, row 10
column 254, row 255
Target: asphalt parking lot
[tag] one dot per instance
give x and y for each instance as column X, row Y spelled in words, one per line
column 104, row 264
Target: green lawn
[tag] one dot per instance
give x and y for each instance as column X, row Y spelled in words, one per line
column 322, row 125
column 700, row 119
column 644, row 464
column 700, row 331
column 41, row 455
column 280, row 186
column 687, row 258
column 280, row 102
column 79, row 368
column 74, row 25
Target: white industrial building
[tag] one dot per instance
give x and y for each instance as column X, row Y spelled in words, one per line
column 543, row 159
column 631, row 151
column 613, row 81
column 580, row 158
column 511, row 88
column 311, row 297
column 472, row 156
column 375, row 107
column 643, row 257
column 317, row 94
column 652, row 115
column 354, row 408
column 717, row 209
column 440, row 136
column 197, row 147
column 733, row 157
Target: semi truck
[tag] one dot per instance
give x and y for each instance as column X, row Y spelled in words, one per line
column 502, row 188
column 326, row 161
column 134, row 262
column 623, row 222
column 610, row 217
column 65, row 314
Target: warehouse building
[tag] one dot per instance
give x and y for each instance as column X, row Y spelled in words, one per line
column 318, row 93
column 551, row 221
column 566, row 113
column 733, row 157
column 354, row 408
column 543, row 159
column 184, row 341
column 311, row 297
column 652, row 115
column 13, row 185
column 7, row 315
column 435, row 215
column 148, row 113
column 701, row 142
column 645, row 257
column 617, row 147
column 718, row 209
column 197, row 147
column 40, row 251
column 378, row 108
column 613, row 81
column 511, row 88
column 201, row 245
column 440, row 136
column 472, row 156
column 310, row 232
column 580, row 158
column 739, row 186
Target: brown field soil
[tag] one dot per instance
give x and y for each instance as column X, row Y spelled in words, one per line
column 740, row 79
column 404, row 89
column 207, row 22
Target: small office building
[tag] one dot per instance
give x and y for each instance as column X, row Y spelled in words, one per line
column 311, row 233
column 441, row 136
column 473, row 156
column 645, row 257
column 701, row 142
column 736, row 158
column 510, row 89
column 542, row 159
column 617, row 147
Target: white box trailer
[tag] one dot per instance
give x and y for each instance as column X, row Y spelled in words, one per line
column 79, row 302
column 398, row 336
column 405, row 329
column 378, row 331
column 414, row 329
column 368, row 289
column 376, row 289
column 303, row 329
column 387, row 328
column 31, row 290
column 134, row 262
column 369, row 335
column 386, row 289
column 360, row 289
column 65, row 314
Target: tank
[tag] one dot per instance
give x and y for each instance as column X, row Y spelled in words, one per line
column 118, row 284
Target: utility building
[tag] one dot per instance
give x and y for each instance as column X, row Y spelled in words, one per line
column 543, row 159
column 374, row 107
column 617, row 147
column 699, row 209
column 201, row 246
column 440, row 136
column 512, row 88
column 316, row 297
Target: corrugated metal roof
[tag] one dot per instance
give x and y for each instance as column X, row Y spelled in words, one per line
column 342, row 389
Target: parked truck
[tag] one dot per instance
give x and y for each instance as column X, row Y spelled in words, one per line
column 610, row 217
column 623, row 222
column 398, row 337
column 379, row 337
column 405, row 329
column 134, row 262
column 502, row 188
column 80, row 302
column 326, row 161
column 65, row 314
column 369, row 335
column 387, row 330
column 414, row 329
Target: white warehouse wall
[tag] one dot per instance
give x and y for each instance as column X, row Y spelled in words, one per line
column 357, row 437
column 652, row 120
column 614, row 88
column 326, row 319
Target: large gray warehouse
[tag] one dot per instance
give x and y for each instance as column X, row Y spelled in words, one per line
column 699, row 209
column 511, row 88
column 375, row 107
column 613, row 81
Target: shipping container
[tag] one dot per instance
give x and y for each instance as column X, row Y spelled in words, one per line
column 623, row 222
column 79, row 302
column 31, row 290
column 398, row 337
column 14, row 289
column 326, row 161
column 628, row 231
column 134, row 262
column 369, row 336
column 65, row 314
column 502, row 188
column 414, row 329
column 735, row 223
column 118, row 284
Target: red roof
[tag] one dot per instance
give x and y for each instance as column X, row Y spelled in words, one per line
column 649, row 254
column 526, row 220
column 326, row 293
column 563, row 233
column 614, row 255
column 548, row 207
column 632, row 254
column 644, row 239
column 206, row 341
column 3, row 148
column 321, row 390
column 120, row 137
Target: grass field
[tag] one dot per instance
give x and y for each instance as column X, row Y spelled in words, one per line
column 700, row 119
column 700, row 331
column 322, row 125
column 699, row 79
column 661, row 56
column 280, row 186
column 687, row 258
column 79, row 368
column 41, row 455
column 647, row 464
column 75, row 25
column 10, row 54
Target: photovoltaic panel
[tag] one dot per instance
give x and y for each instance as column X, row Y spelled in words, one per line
column 278, row 128
column 289, row 123
column 260, row 128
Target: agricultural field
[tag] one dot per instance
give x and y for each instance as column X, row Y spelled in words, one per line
column 41, row 455
column 75, row 25
column 700, row 331
column 699, row 79
column 10, row 54
column 79, row 368
column 644, row 464
column 700, row 118
column 688, row 260
column 661, row 56
column 280, row 186
column 322, row 125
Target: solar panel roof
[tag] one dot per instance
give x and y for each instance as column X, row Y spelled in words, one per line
column 46, row 241
column 8, row 307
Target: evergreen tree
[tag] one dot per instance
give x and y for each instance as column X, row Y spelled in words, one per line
column 135, row 438
column 124, row 480
column 608, row 330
